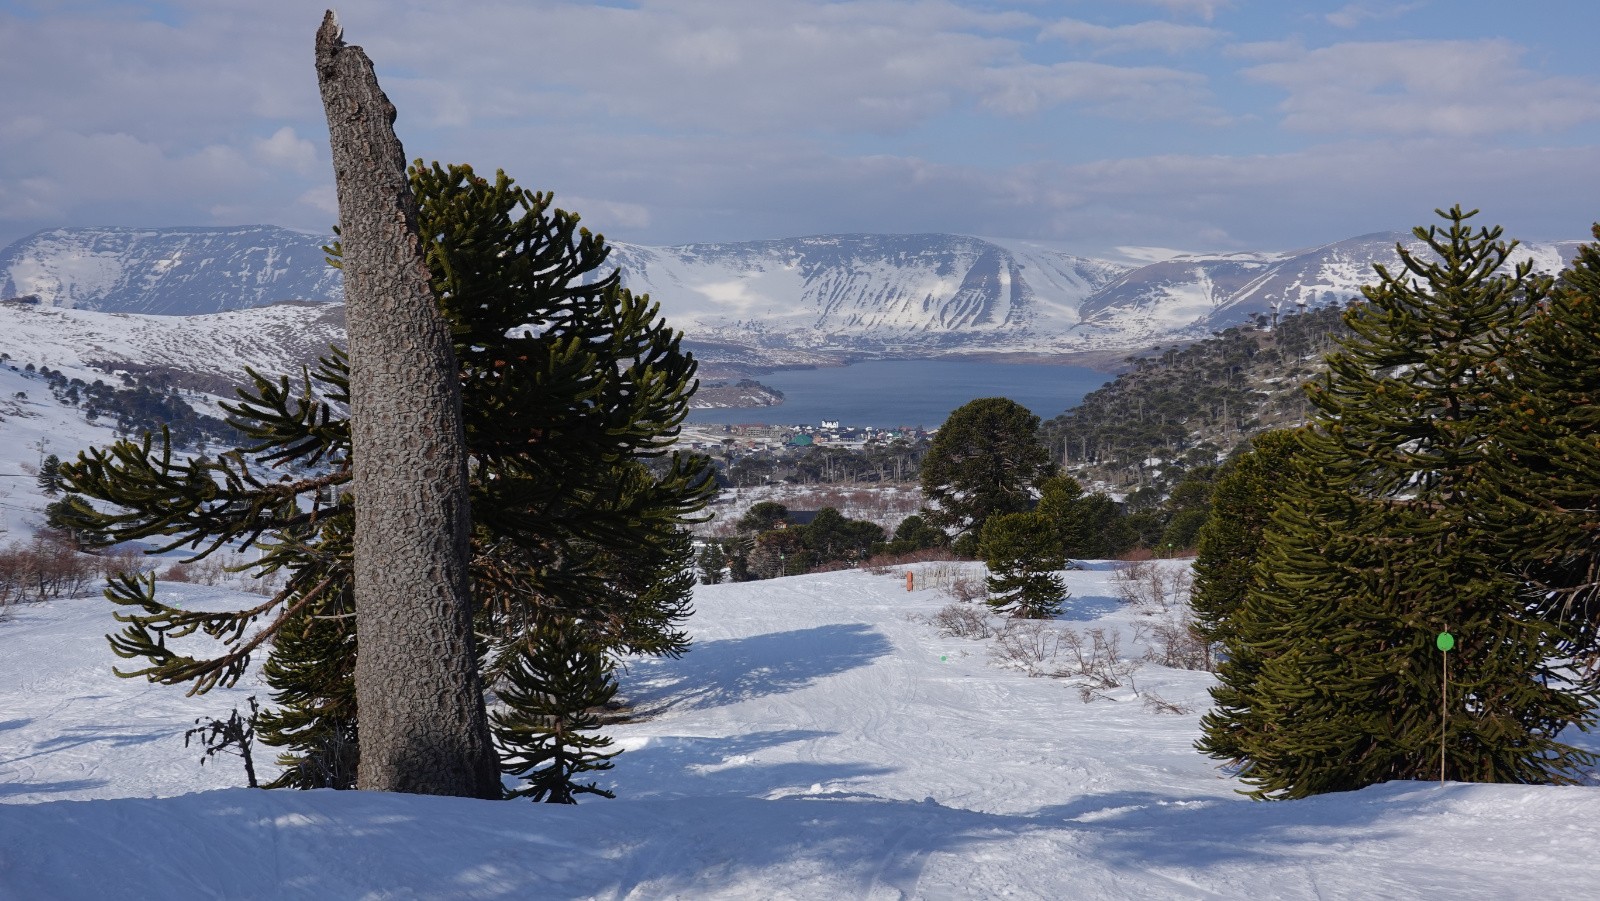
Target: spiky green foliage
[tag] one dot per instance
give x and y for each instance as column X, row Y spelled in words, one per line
column 1230, row 542
column 1541, row 487
column 1375, row 547
column 569, row 388
column 985, row 460
column 1023, row 554
column 50, row 475
column 555, row 686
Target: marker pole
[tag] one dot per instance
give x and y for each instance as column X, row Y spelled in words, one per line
column 1444, row 643
column 1444, row 714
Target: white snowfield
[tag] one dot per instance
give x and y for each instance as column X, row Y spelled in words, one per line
column 819, row 742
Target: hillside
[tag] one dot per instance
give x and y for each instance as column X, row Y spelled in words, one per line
column 1185, row 407
column 818, row 742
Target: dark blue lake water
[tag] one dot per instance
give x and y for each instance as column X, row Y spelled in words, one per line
column 888, row 393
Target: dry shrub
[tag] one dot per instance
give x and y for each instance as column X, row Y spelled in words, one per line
column 969, row 587
column 961, row 621
column 1152, row 587
column 48, row 565
column 1029, row 644
column 1095, row 656
column 1157, row 704
column 883, row 564
column 1173, row 641
column 177, row 572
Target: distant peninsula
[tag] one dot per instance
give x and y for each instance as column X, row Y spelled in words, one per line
column 727, row 395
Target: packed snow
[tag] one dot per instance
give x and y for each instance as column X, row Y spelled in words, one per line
column 821, row 740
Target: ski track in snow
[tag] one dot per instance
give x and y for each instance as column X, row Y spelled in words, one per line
column 813, row 744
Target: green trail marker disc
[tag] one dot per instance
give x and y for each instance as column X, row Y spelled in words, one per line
column 1445, row 641
column 941, row 656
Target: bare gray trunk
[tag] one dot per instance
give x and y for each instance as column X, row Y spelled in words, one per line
column 423, row 727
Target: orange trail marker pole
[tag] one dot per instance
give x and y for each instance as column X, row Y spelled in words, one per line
column 911, row 579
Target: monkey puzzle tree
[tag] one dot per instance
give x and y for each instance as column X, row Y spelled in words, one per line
column 1023, row 554
column 1375, row 546
column 569, row 383
column 1541, row 487
column 985, row 460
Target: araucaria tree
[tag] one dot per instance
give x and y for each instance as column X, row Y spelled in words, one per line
column 985, row 460
column 557, row 682
column 1023, row 554
column 1541, row 487
column 573, row 391
column 1376, row 546
column 417, row 679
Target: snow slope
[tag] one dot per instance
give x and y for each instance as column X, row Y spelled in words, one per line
column 32, row 425
column 820, row 741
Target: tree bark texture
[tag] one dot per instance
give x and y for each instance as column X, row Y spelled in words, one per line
column 423, row 726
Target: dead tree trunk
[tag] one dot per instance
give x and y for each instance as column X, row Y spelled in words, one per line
column 423, row 726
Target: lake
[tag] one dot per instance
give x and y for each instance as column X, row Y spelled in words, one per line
column 888, row 393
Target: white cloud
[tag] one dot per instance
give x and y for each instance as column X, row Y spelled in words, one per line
column 1204, row 9
column 1456, row 88
column 605, row 216
column 1354, row 14
column 322, row 199
column 1167, row 37
column 1145, row 92
column 286, row 150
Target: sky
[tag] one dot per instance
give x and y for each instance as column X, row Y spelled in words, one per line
column 1199, row 125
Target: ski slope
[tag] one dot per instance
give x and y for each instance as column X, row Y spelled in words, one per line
column 820, row 741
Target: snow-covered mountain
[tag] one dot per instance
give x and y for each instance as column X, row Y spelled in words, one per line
column 869, row 293
column 170, row 271
column 795, row 301
column 1192, row 295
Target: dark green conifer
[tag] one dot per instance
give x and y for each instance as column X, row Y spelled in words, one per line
column 1023, row 555
column 1374, row 549
column 1541, row 487
column 985, row 460
column 557, row 684
column 1230, row 542
column 50, row 475
column 568, row 387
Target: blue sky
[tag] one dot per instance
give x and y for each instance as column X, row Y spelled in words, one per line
column 1188, row 124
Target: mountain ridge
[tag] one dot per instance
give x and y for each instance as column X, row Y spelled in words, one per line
column 781, row 302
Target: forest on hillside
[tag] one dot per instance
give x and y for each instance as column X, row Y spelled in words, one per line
column 1185, row 407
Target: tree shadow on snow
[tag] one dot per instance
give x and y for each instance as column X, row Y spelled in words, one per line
column 1087, row 607
column 11, row 789
column 1139, row 829
column 727, row 671
column 679, row 766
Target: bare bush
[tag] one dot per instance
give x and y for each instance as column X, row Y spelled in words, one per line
column 1174, row 641
column 1029, row 644
column 1157, row 704
column 970, row 588
column 49, row 565
column 883, row 564
column 961, row 621
column 177, row 572
column 1095, row 656
column 1151, row 586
